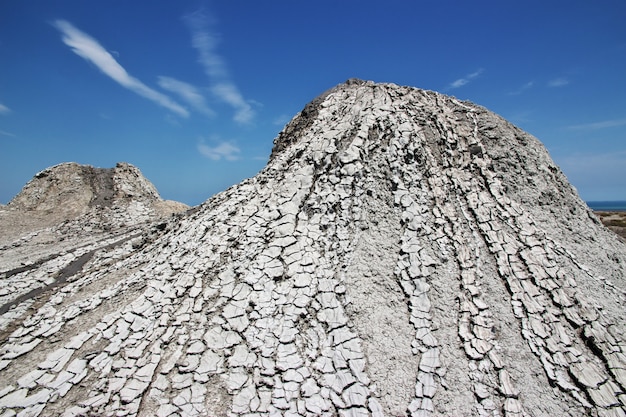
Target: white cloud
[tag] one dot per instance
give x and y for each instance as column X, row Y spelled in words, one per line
column 520, row 117
column 205, row 42
column 558, row 82
column 229, row 93
column 5, row 110
column 187, row 92
column 89, row 49
column 522, row 88
column 599, row 125
column 174, row 121
column 281, row 120
column 462, row 81
column 224, row 150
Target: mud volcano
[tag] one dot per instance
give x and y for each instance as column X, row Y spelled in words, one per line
column 403, row 253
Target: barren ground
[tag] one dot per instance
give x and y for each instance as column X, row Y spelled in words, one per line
column 614, row 220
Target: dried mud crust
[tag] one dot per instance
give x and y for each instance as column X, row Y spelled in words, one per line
column 615, row 221
column 397, row 256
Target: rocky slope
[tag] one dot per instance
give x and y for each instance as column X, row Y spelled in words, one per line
column 68, row 191
column 403, row 253
column 67, row 212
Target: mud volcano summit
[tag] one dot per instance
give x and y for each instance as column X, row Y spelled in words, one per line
column 402, row 253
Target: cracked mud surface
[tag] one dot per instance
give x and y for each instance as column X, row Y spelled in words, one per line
column 403, row 253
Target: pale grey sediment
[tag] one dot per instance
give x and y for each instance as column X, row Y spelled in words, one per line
column 403, row 253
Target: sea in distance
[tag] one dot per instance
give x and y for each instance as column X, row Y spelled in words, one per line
column 607, row 205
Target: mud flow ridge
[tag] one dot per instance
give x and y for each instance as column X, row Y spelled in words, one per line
column 61, row 277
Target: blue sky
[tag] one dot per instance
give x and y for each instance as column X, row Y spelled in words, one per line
column 194, row 92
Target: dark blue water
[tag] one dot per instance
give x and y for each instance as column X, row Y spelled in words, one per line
column 607, row 205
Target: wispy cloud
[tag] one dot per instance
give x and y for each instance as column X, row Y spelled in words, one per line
column 558, row 82
column 229, row 93
column 599, row 125
column 89, row 49
column 187, row 92
column 523, row 88
column 223, row 150
column 281, row 120
column 5, row 110
column 469, row 77
column 205, row 42
column 520, row 117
